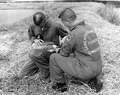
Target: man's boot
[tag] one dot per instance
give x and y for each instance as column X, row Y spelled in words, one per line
column 45, row 76
column 95, row 84
column 61, row 87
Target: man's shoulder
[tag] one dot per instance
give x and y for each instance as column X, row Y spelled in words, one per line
column 32, row 25
column 85, row 28
column 54, row 24
column 81, row 31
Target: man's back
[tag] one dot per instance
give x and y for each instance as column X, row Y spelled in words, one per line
column 87, row 47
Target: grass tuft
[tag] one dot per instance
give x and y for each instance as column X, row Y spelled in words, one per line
column 110, row 13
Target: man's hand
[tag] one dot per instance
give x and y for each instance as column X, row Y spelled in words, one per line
column 38, row 42
column 53, row 48
column 56, row 48
column 62, row 40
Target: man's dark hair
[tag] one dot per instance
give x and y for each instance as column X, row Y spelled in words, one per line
column 67, row 14
column 38, row 18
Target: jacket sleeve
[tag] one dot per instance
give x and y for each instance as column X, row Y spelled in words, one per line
column 62, row 32
column 68, row 46
column 31, row 34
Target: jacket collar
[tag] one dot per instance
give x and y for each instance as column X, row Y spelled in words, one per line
column 77, row 24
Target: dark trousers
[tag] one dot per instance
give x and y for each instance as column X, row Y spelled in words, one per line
column 60, row 65
column 39, row 62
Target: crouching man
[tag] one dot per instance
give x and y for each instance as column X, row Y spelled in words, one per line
column 42, row 33
column 86, row 64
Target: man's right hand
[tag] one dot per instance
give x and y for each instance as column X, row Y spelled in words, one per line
column 63, row 40
column 38, row 42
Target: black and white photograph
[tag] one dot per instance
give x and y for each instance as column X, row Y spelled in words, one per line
column 59, row 47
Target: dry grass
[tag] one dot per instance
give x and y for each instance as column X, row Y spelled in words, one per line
column 13, row 58
column 110, row 13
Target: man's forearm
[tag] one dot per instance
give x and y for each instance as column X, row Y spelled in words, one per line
column 32, row 39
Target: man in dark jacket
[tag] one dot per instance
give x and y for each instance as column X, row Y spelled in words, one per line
column 86, row 64
column 41, row 32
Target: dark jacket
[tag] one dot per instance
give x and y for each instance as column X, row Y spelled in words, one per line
column 50, row 32
column 83, row 42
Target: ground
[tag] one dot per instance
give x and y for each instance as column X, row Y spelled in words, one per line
column 15, row 46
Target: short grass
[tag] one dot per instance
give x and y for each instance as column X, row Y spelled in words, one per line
column 13, row 58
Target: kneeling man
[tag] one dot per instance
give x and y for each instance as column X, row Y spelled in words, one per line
column 86, row 63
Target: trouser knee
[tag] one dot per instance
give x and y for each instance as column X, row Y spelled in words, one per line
column 32, row 54
column 46, row 54
column 53, row 58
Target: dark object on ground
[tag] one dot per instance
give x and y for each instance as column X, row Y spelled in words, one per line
column 60, row 87
column 95, row 84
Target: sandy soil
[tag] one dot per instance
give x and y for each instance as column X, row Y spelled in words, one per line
column 15, row 46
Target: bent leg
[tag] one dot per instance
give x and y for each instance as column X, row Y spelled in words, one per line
column 37, row 56
column 28, row 69
column 69, row 65
column 58, row 66
column 41, row 58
